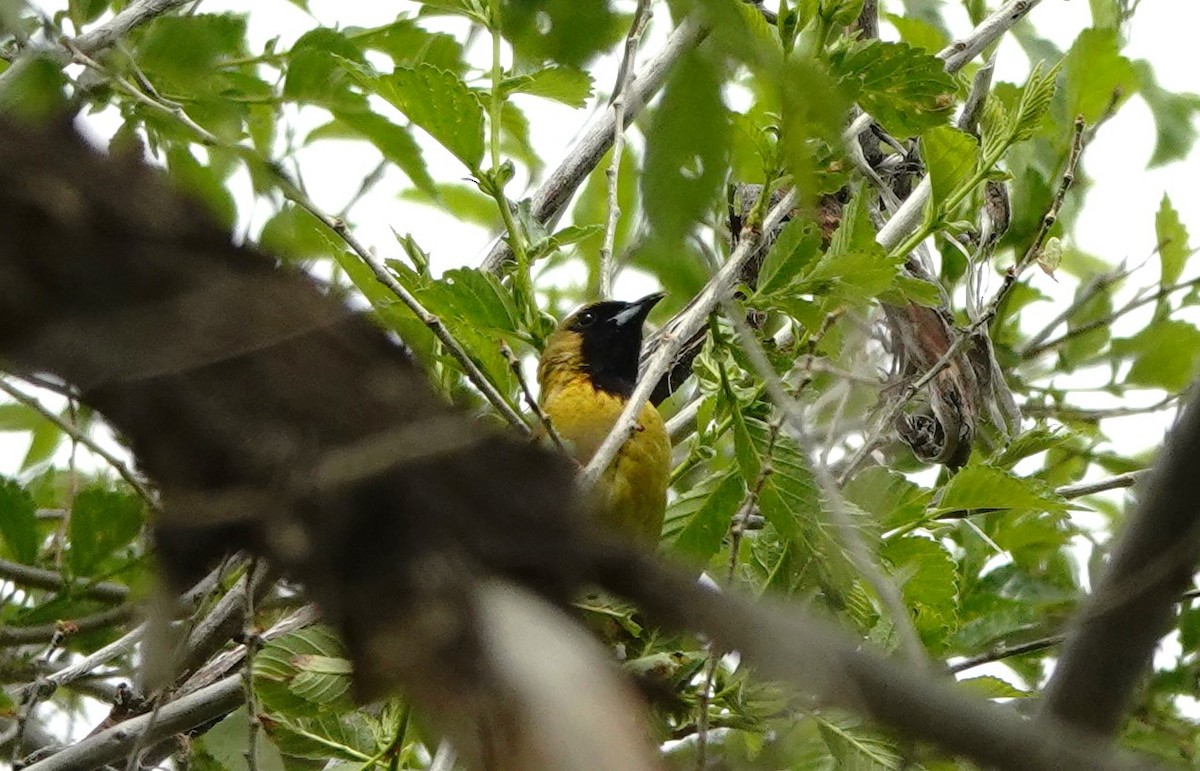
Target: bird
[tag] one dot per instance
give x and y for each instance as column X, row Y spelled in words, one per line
column 587, row 373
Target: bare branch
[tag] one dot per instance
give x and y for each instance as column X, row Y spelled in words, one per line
column 608, row 268
column 38, row 578
column 514, row 364
column 1111, row 640
column 82, row 438
column 25, row 635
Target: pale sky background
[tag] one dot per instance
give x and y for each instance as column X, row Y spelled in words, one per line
column 1117, row 222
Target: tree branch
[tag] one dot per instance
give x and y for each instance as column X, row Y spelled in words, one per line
column 1109, row 646
column 26, row 635
column 549, row 199
column 38, row 578
column 96, row 40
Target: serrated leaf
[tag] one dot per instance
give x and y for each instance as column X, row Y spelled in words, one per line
column 438, row 101
column 285, row 687
column 339, row 737
column 984, row 487
column 951, row 157
column 918, row 33
column 907, row 90
column 1035, row 102
column 796, row 245
column 855, row 749
column 567, row 85
column 1164, row 355
column 703, row 531
column 888, row 496
column 1096, row 75
column 1173, row 245
column 18, row 522
column 686, row 149
column 102, row 521
column 928, row 578
column 991, row 687
column 473, row 297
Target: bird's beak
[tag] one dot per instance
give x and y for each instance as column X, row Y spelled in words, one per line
column 637, row 311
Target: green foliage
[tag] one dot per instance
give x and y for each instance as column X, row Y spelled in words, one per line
column 985, row 558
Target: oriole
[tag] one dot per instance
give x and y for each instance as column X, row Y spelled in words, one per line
column 587, row 374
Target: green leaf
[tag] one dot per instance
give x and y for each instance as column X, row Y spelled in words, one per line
column 797, row 244
column 1034, row 104
column 928, row 578
column 475, row 298
column 294, row 234
column 438, row 101
column 984, row 487
column 570, row 86
column 44, row 441
column 1096, row 75
column 1164, row 355
column 18, row 417
column 918, row 33
column 570, row 32
column 714, row 503
column 855, row 748
column 1174, row 117
column 1173, row 246
column 181, row 52
column 229, row 741
column 951, row 157
column 991, row 687
column 102, row 522
column 907, row 90
column 408, row 44
column 686, row 149
column 468, row 8
column 317, row 72
column 293, row 675
column 18, row 522
column 463, row 202
column 888, row 496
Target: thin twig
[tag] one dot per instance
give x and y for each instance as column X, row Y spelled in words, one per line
column 294, row 193
column 82, row 438
column 608, row 268
column 1031, row 350
column 514, row 364
column 1080, row 489
column 53, row 581
column 252, row 642
column 95, row 40
column 26, row 635
column 1090, row 290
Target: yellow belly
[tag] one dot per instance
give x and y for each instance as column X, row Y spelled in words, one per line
column 632, row 493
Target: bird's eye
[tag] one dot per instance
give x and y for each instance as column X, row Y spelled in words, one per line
column 585, row 319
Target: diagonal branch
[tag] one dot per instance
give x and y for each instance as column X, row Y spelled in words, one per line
column 549, row 199
column 1109, row 647
column 96, row 40
column 674, row 335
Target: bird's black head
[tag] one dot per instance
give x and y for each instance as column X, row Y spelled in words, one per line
column 610, row 335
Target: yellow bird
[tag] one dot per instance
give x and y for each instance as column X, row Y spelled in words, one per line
column 587, row 374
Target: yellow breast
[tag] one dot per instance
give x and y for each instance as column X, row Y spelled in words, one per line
column 632, row 493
